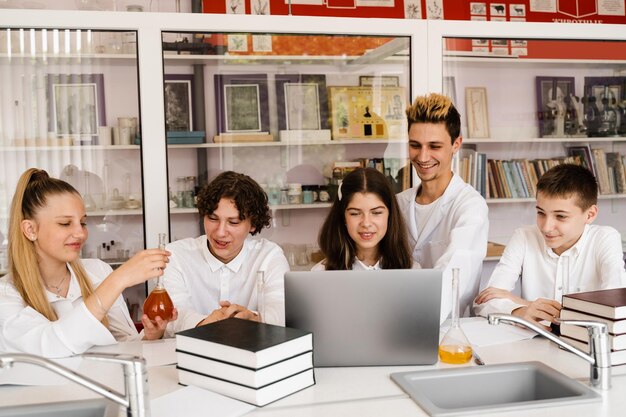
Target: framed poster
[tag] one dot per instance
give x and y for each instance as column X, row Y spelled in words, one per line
column 178, row 91
column 609, row 88
column 241, row 103
column 379, row 81
column 477, row 113
column 76, row 105
column 551, row 104
column 302, row 101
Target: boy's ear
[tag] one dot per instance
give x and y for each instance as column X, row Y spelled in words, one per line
column 591, row 214
column 456, row 145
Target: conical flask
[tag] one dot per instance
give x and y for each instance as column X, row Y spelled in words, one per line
column 159, row 302
column 454, row 347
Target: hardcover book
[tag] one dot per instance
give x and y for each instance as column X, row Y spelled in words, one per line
column 618, row 357
column 610, row 304
column 253, row 378
column 256, row 396
column 244, row 343
column 615, row 326
column 616, row 342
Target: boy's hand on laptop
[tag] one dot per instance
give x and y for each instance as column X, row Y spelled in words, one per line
column 492, row 293
column 539, row 310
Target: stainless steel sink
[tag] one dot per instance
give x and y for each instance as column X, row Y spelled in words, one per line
column 84, row 408
column 490, row 388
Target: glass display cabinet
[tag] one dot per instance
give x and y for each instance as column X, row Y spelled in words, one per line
column 61, row 110
column 530, row 96
column 296, row 112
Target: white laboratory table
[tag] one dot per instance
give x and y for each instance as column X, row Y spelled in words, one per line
column 357, row 391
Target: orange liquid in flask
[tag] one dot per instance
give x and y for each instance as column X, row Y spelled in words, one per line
column 159, row 304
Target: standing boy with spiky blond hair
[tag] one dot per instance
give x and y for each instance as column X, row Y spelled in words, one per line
column 446, row 217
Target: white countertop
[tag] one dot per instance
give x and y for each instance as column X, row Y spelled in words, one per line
column 357, row 391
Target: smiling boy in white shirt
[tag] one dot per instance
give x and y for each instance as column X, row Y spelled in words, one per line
column 215, row 276
column 564, row 253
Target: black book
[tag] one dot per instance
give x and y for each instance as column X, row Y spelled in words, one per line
column 245, row 343
column 253, row 378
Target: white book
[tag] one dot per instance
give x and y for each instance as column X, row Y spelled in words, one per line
column 615, row 326
column 257, row 396
column 616, row 342
column 245, row 376
column 618, row 357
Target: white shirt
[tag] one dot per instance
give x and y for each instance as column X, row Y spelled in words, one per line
column 595, row 262
column 197, row 281
column 455, row 235
column 23, row 329
column 357, row 265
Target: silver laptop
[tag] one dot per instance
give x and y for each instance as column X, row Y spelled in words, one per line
column 367, row 318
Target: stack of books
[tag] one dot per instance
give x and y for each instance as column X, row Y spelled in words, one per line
column 253, row 362
column 607, row 306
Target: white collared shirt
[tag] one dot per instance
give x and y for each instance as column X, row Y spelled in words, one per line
column 357, row 265
column 197, row 281
column 23, row 329
column 595, row 262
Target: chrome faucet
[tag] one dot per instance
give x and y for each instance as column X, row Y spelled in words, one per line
column 598, row 356
column 136, row 398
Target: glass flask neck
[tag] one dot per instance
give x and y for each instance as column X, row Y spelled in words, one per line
column 455, row 297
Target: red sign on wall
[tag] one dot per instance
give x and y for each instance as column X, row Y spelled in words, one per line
column 576, row 11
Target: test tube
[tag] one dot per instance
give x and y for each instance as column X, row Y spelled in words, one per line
column 260, row 294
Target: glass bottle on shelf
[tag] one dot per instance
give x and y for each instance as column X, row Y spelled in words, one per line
column 90, row 204
column 159, row 302
column 454, row 347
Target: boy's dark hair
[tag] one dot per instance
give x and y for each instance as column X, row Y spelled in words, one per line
column 249, row 198
column 336, row 244
column 435, row 108
column 565, row 180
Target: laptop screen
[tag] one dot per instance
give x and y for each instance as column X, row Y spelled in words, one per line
column 367, row 318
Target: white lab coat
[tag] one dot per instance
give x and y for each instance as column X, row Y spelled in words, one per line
column 22, row 329
column 455, row 236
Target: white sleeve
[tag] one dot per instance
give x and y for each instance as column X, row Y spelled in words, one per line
column 275, row 267
column 176, row 287
column 505, row 276
column 120, row 323
column 610, row 260
column 23, row 329
column 466, row 249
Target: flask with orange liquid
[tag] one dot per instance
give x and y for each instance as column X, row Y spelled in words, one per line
column 454, row 347
column 159, row 302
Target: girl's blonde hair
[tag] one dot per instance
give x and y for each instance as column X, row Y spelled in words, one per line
column 33, row 189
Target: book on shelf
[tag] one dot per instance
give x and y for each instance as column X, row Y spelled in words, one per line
column 618, row 357
column 602, row 171
column 583, row 156
column 244, row 342
column 614, row 326
column 616, row 341
column 253, row 378
column 257, row 396
column 495, row 249
column 618, row 178
column 610, row 303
